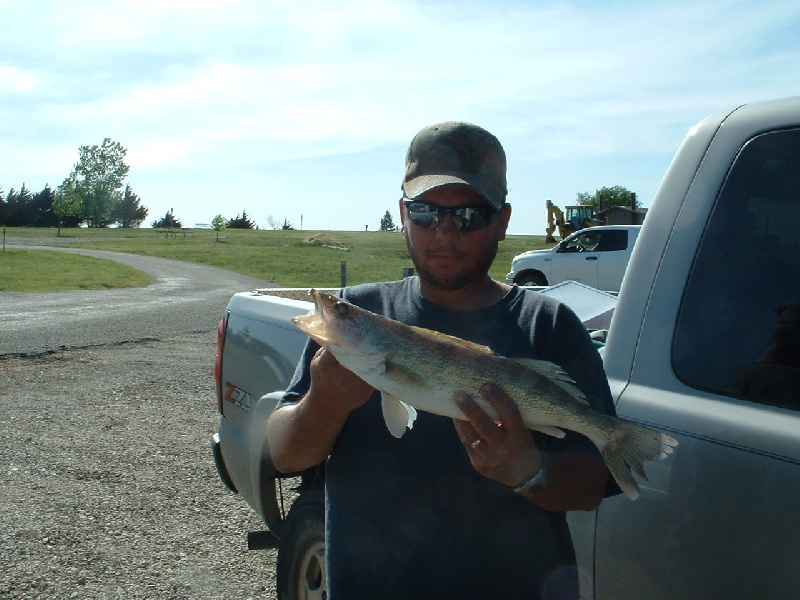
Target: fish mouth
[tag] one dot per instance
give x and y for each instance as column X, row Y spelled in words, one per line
column 323, row 302
column 313, row 323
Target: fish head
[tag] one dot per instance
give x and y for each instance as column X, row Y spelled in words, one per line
column 334, row 322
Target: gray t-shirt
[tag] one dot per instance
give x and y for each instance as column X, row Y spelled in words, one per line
column 410, row 517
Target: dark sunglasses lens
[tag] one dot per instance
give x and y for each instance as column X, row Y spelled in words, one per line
column 423, row 215
column 470, row 219
column 464, row 218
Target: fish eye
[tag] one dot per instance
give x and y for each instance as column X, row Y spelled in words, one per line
column 341, row 309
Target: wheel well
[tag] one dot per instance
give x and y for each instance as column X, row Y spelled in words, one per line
column 275, row 487
column 530, row 277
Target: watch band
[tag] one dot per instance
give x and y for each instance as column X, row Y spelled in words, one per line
column 536, row 482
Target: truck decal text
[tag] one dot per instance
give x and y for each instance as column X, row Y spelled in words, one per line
column 238, row 396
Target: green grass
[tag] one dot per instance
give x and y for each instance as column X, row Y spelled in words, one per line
column 45, row 271
column 290, row 258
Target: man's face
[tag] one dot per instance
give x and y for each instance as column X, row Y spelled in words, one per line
column 445, row 257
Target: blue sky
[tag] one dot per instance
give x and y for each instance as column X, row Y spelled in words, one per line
column 303, row 110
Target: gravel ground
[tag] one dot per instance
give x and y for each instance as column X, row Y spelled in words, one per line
column 107, row 483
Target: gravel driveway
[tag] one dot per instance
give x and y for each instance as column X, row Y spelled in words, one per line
column 107, row 482
column 181, row 297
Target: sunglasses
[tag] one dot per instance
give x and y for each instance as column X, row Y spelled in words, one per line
column 466, row 218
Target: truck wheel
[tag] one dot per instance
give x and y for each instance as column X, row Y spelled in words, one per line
column 531, row 279
column 301, row 554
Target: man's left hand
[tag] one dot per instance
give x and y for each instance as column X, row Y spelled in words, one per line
column 503, row 450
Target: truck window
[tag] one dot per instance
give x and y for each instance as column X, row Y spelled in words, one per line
column 738, row 330
column 594, row 241
column 612, row 240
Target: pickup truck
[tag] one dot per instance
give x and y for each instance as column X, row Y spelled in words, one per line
column 596, row 256
column 704, row 344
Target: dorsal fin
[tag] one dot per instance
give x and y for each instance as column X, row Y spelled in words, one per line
column 453, row 340
column 556, row 374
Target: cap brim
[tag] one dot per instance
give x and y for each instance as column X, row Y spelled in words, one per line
column 425, row 183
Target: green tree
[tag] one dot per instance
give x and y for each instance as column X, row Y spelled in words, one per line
column 287, row 226
column 242, row 222
column 606, row 197
column 96, row 181
column 167, row 222
column 17, row 205
column 387, row 223
column 67, row 204
column 219, row 223
column 41, row 209
column 128, row 213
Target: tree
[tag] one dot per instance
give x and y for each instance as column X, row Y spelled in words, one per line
column 387, row 223
column 25, row 209
column 242, row 222
column 96, row 181
column 128, row 213
column 219, row 223
column 41, row 209
column 167, row 222
column 606, row 197
column 67, row 204
column 16, row 205
column 287, row 226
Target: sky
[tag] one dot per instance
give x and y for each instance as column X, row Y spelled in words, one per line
column 303, row 111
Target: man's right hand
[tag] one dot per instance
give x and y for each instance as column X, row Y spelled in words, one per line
column 341, row 388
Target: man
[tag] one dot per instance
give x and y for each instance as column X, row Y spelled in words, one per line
column 453, row 509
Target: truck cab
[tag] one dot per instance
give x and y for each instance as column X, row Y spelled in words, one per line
column 705, row 345
column 595, row 256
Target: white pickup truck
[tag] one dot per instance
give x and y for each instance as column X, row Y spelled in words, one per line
column 597, row 257
column 704, row 344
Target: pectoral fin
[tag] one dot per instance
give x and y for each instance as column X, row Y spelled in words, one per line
column 365, row 366
column 553, row 431
column 398, row 415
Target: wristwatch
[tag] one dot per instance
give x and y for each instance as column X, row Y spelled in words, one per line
column 536, row 482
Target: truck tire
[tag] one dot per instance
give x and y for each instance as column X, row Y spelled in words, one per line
column 534, row 278
column 301, row 554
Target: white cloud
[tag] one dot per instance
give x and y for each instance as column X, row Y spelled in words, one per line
column 17, row 81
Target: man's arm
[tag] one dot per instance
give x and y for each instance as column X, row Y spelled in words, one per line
column 508, row 454
column 302, row 434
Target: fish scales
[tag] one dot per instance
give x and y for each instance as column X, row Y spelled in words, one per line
column 449, row 364
column 419, row 368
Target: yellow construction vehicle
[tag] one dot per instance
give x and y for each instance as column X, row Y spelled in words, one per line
column 578, row 217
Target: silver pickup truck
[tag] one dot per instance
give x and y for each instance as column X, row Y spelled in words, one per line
column 704, row 343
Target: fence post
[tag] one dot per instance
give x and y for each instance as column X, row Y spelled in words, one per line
column 344, row 273
column 408, row 272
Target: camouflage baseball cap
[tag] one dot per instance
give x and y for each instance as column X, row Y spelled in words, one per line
column 460, row 153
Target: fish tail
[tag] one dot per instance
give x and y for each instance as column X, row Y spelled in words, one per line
column 630, row 445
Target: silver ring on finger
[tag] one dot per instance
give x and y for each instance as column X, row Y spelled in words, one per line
column 474, row 444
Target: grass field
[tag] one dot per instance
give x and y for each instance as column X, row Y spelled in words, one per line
column 290, row 258
column 37, row 271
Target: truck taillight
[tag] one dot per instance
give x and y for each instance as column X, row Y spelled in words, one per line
column 218, row 361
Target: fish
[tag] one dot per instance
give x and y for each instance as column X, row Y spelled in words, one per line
column 416, row 368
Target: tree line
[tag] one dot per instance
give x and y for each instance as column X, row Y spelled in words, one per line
column 92, row 194
column 24, row 208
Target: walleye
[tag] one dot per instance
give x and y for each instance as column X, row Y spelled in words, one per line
column 416, row 367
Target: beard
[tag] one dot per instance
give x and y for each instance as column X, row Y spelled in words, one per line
column 456, row 278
